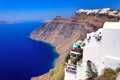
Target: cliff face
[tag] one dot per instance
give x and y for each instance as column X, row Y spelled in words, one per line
column 43, row 77
column 62, row 33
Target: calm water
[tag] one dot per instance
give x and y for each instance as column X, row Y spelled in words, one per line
column 20, row 57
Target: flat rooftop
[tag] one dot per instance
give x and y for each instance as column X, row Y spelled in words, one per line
column 111, row 25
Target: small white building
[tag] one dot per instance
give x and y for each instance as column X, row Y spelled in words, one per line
column 70, row 73
column 75, row 53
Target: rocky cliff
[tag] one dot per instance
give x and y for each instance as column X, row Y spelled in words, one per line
column 62, row 33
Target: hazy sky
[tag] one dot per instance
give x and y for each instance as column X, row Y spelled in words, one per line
column 46, row 9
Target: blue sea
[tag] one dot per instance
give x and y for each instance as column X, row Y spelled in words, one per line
column 21, row 57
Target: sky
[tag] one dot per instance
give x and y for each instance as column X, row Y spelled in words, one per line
column 21, row 10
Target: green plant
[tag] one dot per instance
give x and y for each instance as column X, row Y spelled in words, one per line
column 67, row 58
column 78, row 59
column 81, row 51
column 117, row 70
column 109, row 74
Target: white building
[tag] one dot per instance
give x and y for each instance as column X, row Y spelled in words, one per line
column 111, row 44
column 70, row 73
column 118, row 76
column 92, row 52
column 102, row 53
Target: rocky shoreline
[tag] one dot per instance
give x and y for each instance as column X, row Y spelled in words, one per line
column 42, row 77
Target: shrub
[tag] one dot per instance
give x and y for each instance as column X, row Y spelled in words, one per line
column 67, row 58
column 78, row 59
column 109, row 74
column 117, row 70
column 81, row 51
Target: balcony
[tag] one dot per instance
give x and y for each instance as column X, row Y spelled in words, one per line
column 71, row 69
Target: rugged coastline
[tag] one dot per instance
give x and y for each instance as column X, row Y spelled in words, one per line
column 62, row 33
